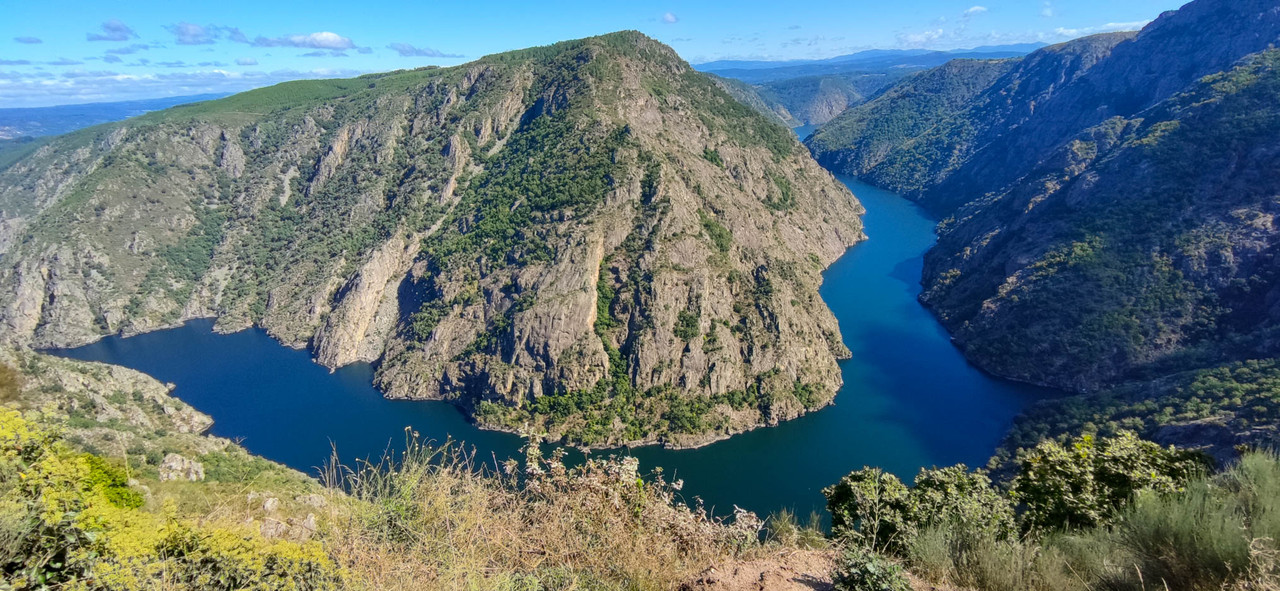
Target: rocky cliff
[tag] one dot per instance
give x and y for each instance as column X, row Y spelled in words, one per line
column 1109, row 209
column 588, row 239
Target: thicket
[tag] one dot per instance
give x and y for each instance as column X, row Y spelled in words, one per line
column 1112, row 513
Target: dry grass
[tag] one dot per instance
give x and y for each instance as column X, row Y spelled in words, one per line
column 431, row 520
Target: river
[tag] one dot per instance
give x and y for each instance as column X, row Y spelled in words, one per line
column 909, row 400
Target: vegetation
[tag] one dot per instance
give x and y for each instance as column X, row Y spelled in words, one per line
column 1238, row 397
column 863, row 570
column 428, row 519
column 70, row 520
column 1116, row 513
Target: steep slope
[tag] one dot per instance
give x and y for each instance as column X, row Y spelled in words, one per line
column 1108, row 227
column 923, row 130
column 872, row 140
column 814, row 100
column 1145, row 246
column 750, row 96
column 1056, row 93
column 809, row 100
column 588, row 239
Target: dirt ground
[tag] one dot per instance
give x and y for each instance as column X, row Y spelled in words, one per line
column 793, row 570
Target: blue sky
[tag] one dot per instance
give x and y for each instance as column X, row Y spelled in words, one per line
column 63, row 51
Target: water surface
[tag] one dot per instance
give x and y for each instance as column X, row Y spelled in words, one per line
column 910, row 400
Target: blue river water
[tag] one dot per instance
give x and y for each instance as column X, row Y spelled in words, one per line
column 910, row 400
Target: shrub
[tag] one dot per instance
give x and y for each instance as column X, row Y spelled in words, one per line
column 1206, row 537
column 1085, row 483
column 873, row 508
column 965, row 500
column 70, row 517
column 870, row 508
column 783, row 527
column 863, row 570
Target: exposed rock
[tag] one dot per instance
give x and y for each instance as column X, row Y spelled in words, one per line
column 176, row 467
column 312, row 500
column 273, row 528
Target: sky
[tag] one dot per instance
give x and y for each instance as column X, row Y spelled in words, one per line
column 65, row 51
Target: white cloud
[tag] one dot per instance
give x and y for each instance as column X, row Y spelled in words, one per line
column 975, row 10
column 323, row 53
column 1047, row 10
column 1107, row 28
column 920, row 39
column 321, row 40
column 192, row 34
column 130, row 49
column 670, row 18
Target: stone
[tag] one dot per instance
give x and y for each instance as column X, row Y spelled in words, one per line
column 176, row 467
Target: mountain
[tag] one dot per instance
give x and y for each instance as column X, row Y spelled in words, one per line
column 760, row 71
column 57, row 120
column 921, row 130
column 1109, row 228
column 809, row 100
column 588, row 239
column 813, row 92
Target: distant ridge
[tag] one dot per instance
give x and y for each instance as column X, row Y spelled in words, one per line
column 60, row 119
column 872, row 60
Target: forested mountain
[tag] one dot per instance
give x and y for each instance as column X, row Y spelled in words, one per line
column 1109, row 208
column 589, row 239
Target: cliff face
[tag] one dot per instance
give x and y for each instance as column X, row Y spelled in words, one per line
column 1109, row 205
column 1146, row 245
column 588, row 239
column 808, row 100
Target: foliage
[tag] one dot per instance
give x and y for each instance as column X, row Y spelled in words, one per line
column 871, row 508
column 600, row 525
column 686, row 328
column 1087, row 482
column 68, row 517
column 719, row 235
column 783, row 528
column 863, row 570
column 964, row 500
column 1240, row 395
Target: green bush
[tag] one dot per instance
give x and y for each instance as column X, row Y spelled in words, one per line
column 870, row 508
column 863, row 570
column 873, row 508
column 1086, row 482
column 962, row 499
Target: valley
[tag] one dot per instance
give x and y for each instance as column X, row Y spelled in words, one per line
column 587, row 316
column 888, row 413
